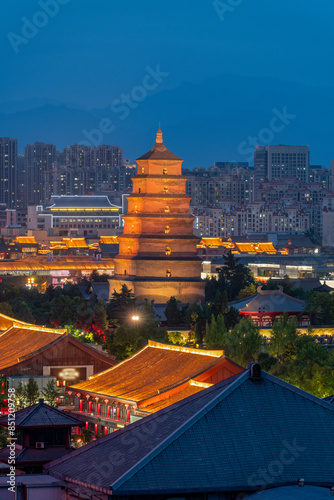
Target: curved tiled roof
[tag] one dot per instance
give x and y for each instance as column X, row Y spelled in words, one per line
column 229, row 433
column 151, row 371
column 159, row 151
column 20, row 341
column 42, row 415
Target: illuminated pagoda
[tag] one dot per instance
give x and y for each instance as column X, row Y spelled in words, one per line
column 157, row 255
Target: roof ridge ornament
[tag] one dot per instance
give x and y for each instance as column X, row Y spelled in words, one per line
column 159, row 136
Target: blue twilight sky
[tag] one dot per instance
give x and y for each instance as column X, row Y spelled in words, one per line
column 92, row 51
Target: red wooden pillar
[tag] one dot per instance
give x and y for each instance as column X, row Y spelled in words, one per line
column 99, row 409
column 90, row 407
column 87, row 425
column 106, row 430
column 117, row 413
column 80, row 404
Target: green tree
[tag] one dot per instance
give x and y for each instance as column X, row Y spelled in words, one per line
column 87, row 435
column 215, row 335
column 100, row 321
column 172, row 312
column 50, row 393
column 220, row 303
column 247, row 291
column 320, row 307
column 232, row 317
column 6, row 309
column 129, row 337
column 31, row 391
column 20, row 395
column 244, row 342
column 284, row 337
column 234, row 276
column 175, row 338
column 121, row 304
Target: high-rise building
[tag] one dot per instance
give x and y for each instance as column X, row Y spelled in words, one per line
column 106, row 156
column 278, row 162
column 40, row 159
column 157, row 255
column 8, row 171
column 76, row 156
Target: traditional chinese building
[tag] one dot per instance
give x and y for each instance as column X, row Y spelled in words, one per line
column 157, row 255
column 43, row 433
column 34, row 351
column 148, row 381
column 249, row 433
column 267, row 305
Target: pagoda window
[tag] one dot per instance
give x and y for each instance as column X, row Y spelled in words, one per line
column 132, row 228
column 167, row 229
column 129, row 250
column 139, row 190
column 169, row 273
column 165, row 190
column 136, row 208
column 142, row 170
column 124, row 272
column 167, row 209
column 168, row 251
column 164, row 171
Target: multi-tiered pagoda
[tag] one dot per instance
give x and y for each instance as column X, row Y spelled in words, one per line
column 157, row 255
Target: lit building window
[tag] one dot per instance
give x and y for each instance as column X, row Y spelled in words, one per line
column 142, row 170
column 166, row 209
column 167, row 229
column 169, row 273
column 168, row 251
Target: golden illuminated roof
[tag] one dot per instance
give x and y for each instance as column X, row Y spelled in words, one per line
column 211, row 242
column 26, row 240
column 23, row 339
column 108, row 239
column 75, row 242
column 151, row 371
column 188, row 389
column 41, row 263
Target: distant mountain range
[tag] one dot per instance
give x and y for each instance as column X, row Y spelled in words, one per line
column 218, row 119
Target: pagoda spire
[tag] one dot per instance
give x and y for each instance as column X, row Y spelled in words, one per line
column 159, row 136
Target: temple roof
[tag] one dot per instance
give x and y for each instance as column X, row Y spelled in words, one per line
column 228, row 433
column 42, row 415
column 21, row 341
column 159, row 151
column 153, row 370
column 70, row 202
column 272, row 301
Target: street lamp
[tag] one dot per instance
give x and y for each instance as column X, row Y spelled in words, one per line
column 135, row 317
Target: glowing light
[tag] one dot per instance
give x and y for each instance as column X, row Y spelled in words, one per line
column 135, row 318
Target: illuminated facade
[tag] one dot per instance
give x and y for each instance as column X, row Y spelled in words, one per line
column 157, row 255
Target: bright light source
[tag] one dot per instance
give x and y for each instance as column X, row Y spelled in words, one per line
column 135, row 318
